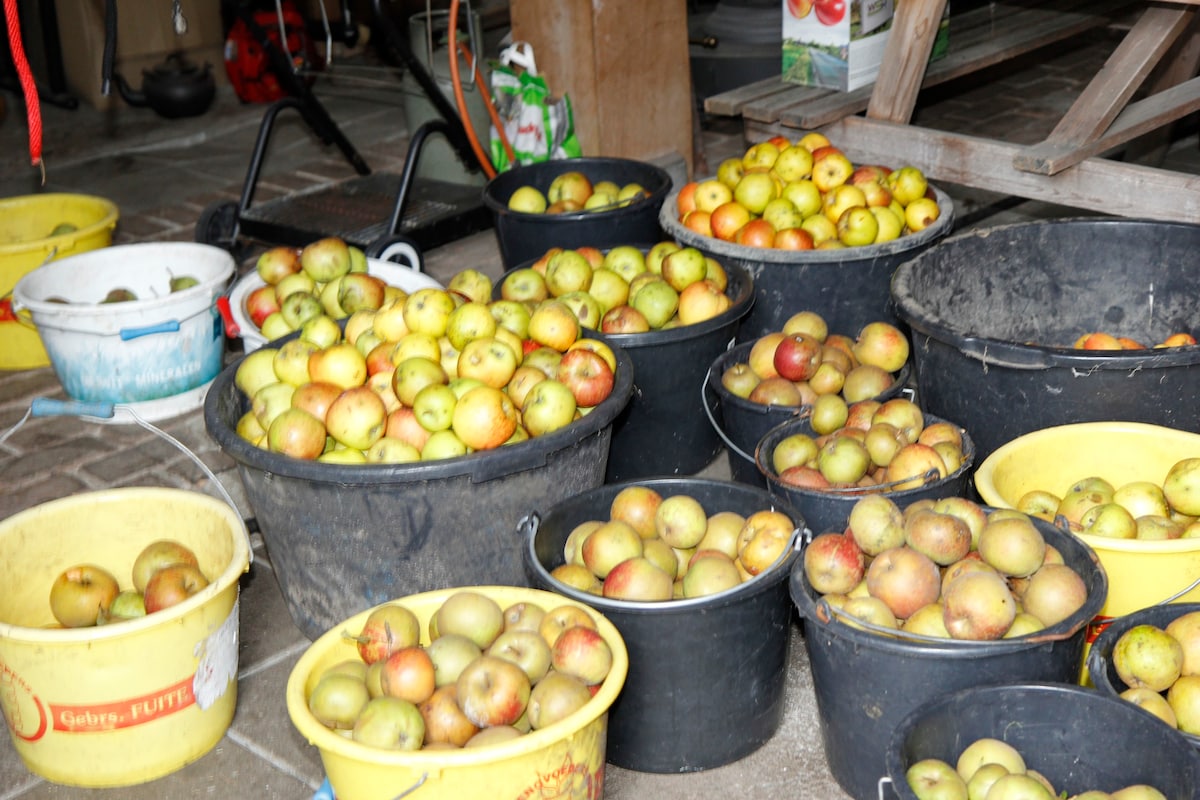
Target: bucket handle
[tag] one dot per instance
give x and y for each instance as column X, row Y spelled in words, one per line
column 708, row 412
column 886, row 780
column 49, row 407
column 325, row 791
column 169, row 326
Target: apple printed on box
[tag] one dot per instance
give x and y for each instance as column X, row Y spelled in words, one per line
column 839, row 44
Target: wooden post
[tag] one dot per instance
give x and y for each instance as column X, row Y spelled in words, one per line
column 625, row 66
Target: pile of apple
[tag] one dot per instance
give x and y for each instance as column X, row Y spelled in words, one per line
column 164, row 573
column 1161, row 668
column 1135, row 510
column 326, row 278
column 438, row 373
column 803, row 362
column 992, row 769
column 1099, row 340
column 483, row 675
column 804, row 195
column 655, row 548
column 944, row 568
column 573, row 191
column 885, row 446
column 625, row 290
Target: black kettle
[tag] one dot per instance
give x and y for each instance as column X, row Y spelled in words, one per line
column 174, row 88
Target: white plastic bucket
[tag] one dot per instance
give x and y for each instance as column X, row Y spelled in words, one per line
column 408, row 278
column 161, row 345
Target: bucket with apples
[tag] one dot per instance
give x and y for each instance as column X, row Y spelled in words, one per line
column 472, row 691
column 571, row 202
column 1037, row 740
column 119, row 632
column 690, row 613
column 688, row 315
column 901, row 606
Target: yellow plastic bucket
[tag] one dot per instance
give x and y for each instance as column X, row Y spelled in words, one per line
column 1140, row 573
column 564, row 760
column 26, row 225
column 127, row 702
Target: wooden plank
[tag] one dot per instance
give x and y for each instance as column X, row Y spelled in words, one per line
column 1177, row 66
column 730, row 103
column 1099, row 104
column 1031, row 30
column 905, row 57
column 1095, row 183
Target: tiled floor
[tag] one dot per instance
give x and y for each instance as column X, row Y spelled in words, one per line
column 162, row 175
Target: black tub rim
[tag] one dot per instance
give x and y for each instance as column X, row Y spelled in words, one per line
column 741, row 301
column 1005, row 353
column 668, row 220
column 657, row 192
column 780, row 431
column 816, row 613
column 1099, row 656
column 990, row 694
column 778, row 572
column 479, row 466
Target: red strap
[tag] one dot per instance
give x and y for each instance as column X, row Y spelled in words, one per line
column 33, row 110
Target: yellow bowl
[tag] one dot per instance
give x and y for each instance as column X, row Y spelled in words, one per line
column 564, row 760
column 1140, row 573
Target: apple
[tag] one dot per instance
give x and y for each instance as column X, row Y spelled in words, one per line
column 624, row 319
column 582, row 652
column 876, row 524
column 527, row 200
column 297, row 433
column 934, row 779
column 276, row 263
column 1181, row 486
column 493, row 691
column 444, row 719
column 526, row 648
column 484, row 418
column 638, row 579
column 555, row 698
column 944, row 538
column 833, row 563
column 571, row 185
column 171, row 585
column 978, row 606
column 261, row 303
column 843, row 460
column 450, row 653
column 1012, row 545
column 472, row 614
column 357, row 418
column 904, row 579
column 711, row 193
column 989, row 750
column 408, row 674
column 830, row 170
column 608, row 545
column 81, row 594
column 560, row 618
column 710, row 574
column 548, row 406
column 1184, row 698
column 797, row 356
column 128, row 604
column 587, row 375
column 156, row 555
column 390, row 723
column 338, row 699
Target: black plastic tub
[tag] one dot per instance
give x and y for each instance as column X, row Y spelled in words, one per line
column 663, row 431
column 866, row 683
column 1077, row 738
column 848, row 287
column 741, row 423
column 1103, row 672
column 343, row 538
column 994, row 314
column 827, row 510
column 707, row 674
column 524, row 237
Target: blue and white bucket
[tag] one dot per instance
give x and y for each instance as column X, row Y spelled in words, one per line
column 164, row 344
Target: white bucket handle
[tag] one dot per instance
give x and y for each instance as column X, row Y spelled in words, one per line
column 409, row 255
column 884, row 781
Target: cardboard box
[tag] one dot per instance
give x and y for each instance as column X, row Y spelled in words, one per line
column 145, row 36
column 839, row 44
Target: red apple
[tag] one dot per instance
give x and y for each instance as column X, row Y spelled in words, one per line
column 155, row 556
column 444, row 718
column 388, row 628
column 587, row 375
column 797, row 356
column 171, row 585
column 408, row 675
column 584, row 653
column 493, row 691
column 834, row 563
column 261, row 303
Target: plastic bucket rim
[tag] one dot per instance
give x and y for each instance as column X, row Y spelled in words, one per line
column 662, row 188
column 669, row 221
column 907, row 309
column 328, row 740
column 772, row 478
column 109, row 220
column 239, row 564
column 248, row 456
column 801, row 591
column 776, row 573
column 985, row 484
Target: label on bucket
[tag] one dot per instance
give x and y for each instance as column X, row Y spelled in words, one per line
column 30, row 717
column 569, row 780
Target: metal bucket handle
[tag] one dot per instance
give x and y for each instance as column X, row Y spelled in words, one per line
column 325, row 792
column 49, row 407
column 708, row 412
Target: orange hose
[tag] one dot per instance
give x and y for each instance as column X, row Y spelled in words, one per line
column 460, row 100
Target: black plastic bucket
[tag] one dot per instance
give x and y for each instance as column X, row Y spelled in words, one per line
column 1077, row 738
column 343, row 538
column 706, row 675
column 1103, row 672
column 866, row 683
column 828, row 510
column 524, row 237
column 741, row 423
column 848, row 287
column 994, row 314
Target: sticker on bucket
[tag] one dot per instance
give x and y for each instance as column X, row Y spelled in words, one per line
column 30, row 717
column 567, row 781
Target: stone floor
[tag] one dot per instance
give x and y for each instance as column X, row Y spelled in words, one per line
column 163, row 174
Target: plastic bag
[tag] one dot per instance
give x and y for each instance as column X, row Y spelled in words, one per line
column 538, row 127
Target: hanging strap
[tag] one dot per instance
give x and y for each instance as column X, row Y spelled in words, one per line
column 33, row 109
